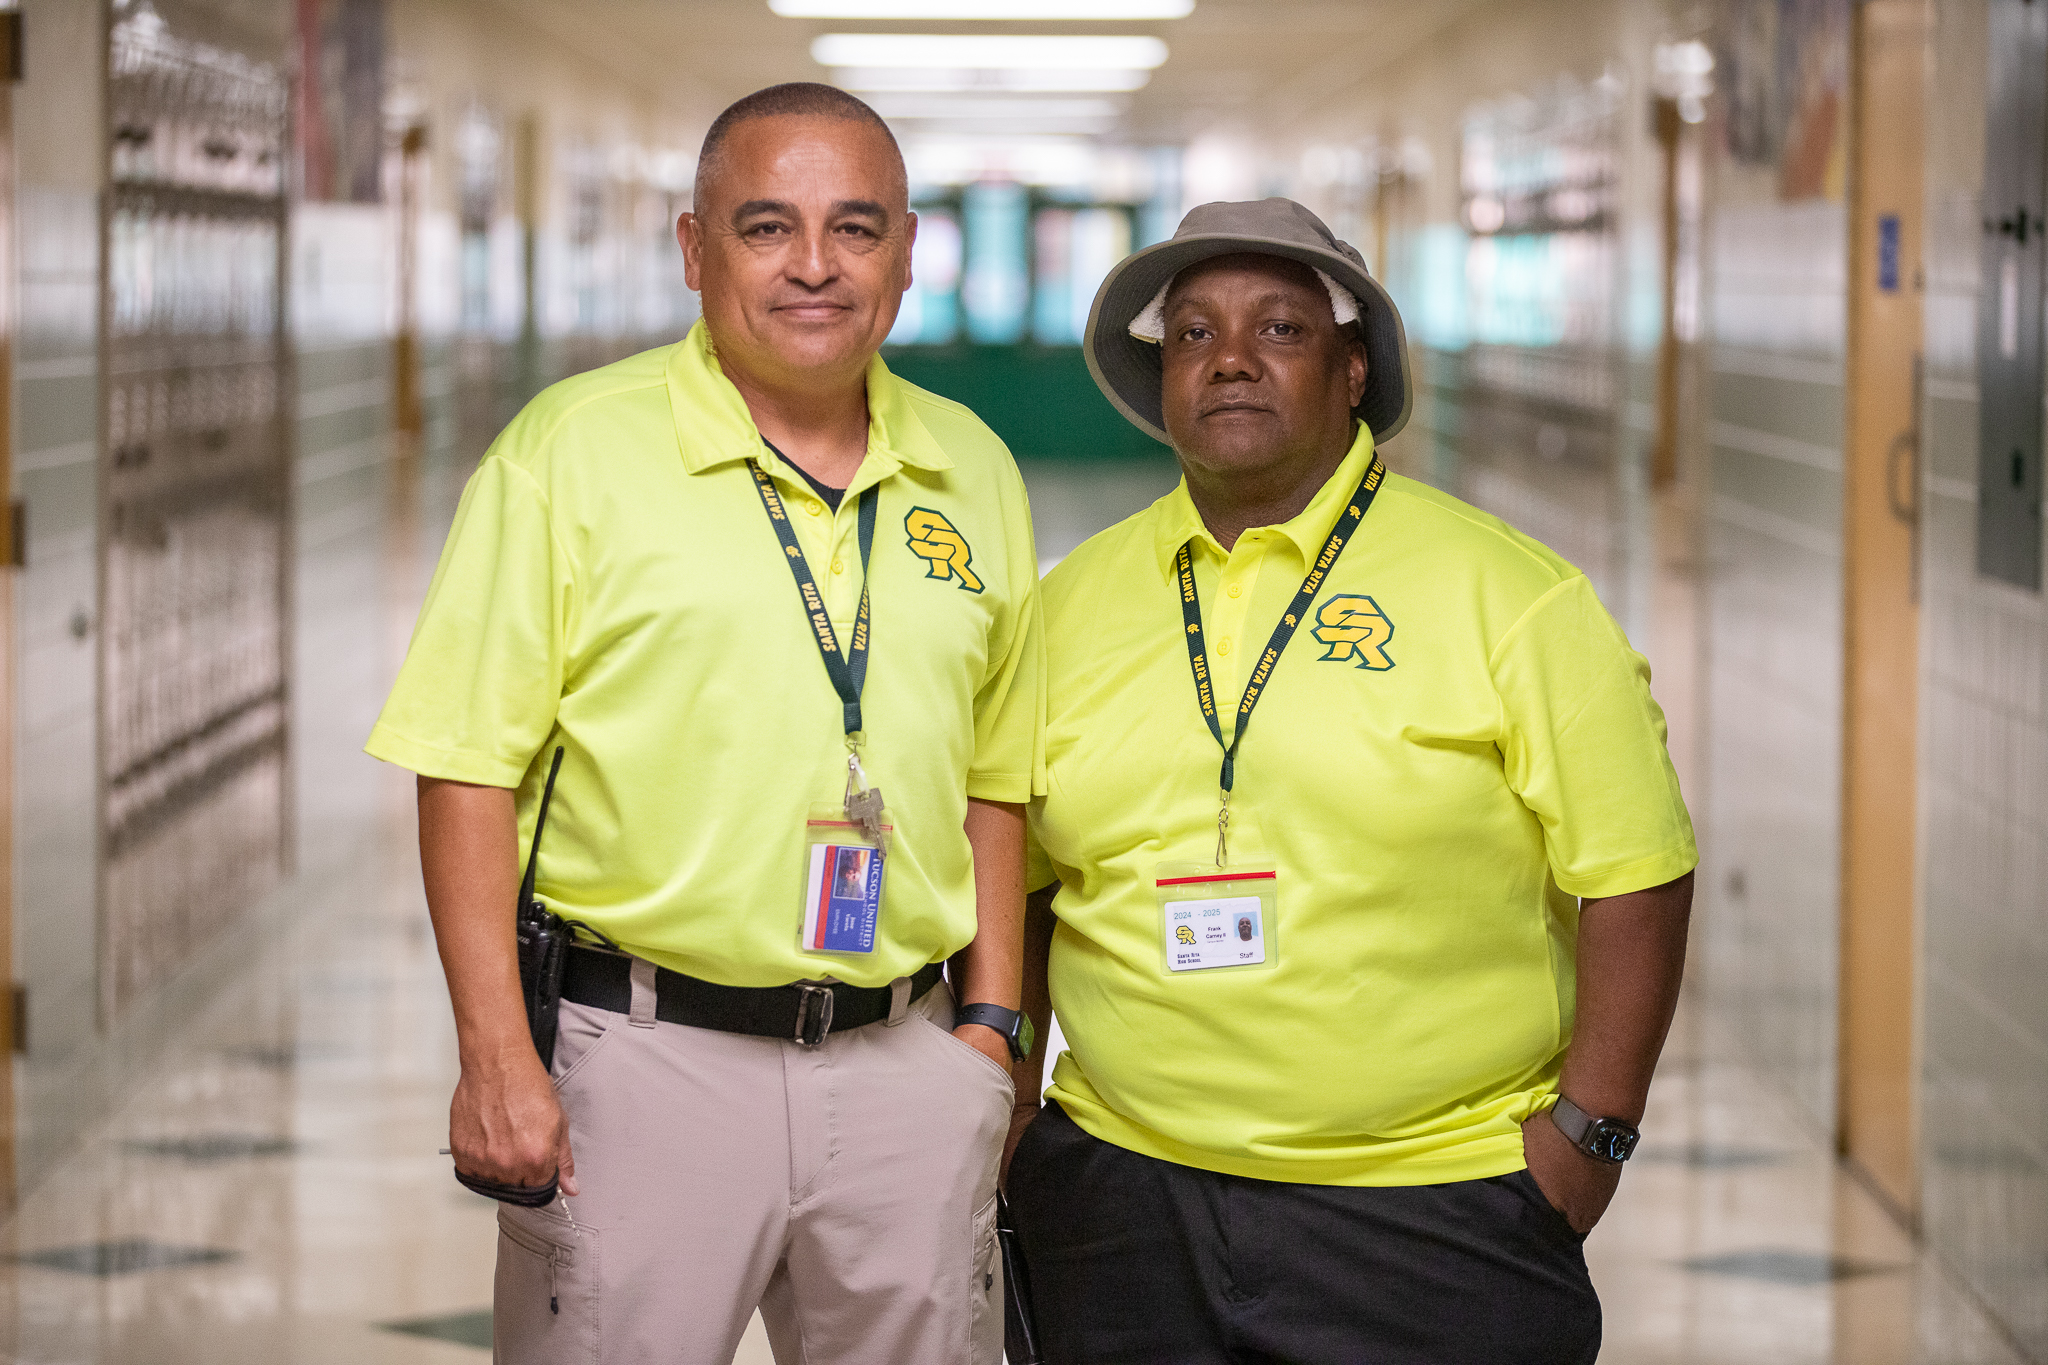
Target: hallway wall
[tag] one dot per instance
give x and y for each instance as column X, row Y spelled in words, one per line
column 1984, row 797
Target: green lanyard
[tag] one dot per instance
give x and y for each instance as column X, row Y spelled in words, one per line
column 848, row 669
column 1255, row 687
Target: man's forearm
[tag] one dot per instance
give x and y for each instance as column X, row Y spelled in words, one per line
column 469, row 858
column 987, row 971
column 504, row 1122
column 1631, row 957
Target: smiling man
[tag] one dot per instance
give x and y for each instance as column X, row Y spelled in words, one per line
column 1363, row 872
column 777, row 611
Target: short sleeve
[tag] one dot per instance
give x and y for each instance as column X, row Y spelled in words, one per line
column 1009, row 708
column 476, row 696
column 1583, row 743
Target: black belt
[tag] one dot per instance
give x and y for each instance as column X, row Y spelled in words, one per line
column 603, row 980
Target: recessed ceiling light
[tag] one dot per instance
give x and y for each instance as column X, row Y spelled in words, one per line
column 987, row 51
column 983, row 9
column 939, row 80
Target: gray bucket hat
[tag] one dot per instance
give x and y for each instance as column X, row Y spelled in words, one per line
column 1129, row 371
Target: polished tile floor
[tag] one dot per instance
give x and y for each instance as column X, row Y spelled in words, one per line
column 272, row 1193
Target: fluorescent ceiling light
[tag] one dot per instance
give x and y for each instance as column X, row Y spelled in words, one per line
column 939, row 80
column 987, row 51
column 1056, row 10
column 972, row 107
column 1031, row 160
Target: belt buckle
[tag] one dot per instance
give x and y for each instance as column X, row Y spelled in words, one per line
column 813, row 1014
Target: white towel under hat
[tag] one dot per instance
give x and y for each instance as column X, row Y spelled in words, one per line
column 1150, row 324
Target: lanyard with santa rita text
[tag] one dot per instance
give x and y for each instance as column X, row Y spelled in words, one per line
column 1255, row 687
column 848, row 667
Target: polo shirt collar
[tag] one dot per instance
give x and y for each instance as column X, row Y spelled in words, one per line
column 713, row 426
column 1178, row 521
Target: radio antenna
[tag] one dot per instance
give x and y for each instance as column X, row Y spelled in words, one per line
column 540, row 822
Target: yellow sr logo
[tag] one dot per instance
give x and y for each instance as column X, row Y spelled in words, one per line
column 945, row 551
column 1356, row 631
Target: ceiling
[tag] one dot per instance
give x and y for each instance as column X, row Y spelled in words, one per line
column 1232, row 64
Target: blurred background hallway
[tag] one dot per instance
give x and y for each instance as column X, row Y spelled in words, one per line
column 1735, row 303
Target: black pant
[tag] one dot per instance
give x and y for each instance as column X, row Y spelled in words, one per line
column 1137, row 1261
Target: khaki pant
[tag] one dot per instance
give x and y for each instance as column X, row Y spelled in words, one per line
column 847, row 1190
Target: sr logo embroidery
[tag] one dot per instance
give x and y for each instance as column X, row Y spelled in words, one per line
column 945, row 551
column 1356, row 630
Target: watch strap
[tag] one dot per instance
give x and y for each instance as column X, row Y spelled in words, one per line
column 1578, row 1126
column 1571, row 1120
column 1003, row 1021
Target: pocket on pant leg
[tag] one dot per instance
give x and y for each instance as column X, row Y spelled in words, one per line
column 581, row 1032
column 985, row 1292
column 544, row 1298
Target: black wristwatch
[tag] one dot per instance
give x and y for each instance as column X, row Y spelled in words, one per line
column 1608, row 1140
column 1014, row 1025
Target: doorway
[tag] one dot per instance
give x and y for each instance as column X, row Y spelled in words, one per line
column 1881, row 542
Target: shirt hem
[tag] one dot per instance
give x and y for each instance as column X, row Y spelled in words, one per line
column 1014, row 788
column 447, row 764
column 1476, row 1158
column 1640, row 875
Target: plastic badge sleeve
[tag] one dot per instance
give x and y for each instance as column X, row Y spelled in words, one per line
column 1217, row 919
column 843, row 882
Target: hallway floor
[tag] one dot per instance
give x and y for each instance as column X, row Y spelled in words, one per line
column 271, row 1192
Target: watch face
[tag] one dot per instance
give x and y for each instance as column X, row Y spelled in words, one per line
column 1609, row 1140
column 1025, row 1035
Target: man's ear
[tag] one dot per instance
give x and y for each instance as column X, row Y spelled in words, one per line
column 689, row 238
column 1357, row 367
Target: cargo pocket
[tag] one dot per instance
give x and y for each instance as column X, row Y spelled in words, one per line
column 544, row 1306
column 985, row 1293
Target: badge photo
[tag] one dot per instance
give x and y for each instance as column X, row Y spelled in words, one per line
column 1217, row 919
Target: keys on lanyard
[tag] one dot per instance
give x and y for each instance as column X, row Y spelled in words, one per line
column 1262, row 672
column 847, row 668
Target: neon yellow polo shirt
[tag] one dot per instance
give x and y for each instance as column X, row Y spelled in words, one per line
column 612, row 585
column 1458, row 744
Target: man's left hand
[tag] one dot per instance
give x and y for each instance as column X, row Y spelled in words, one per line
column 987, row 1042
column 1576, row 1185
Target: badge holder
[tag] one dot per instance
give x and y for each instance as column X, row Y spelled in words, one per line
column 1215, row 919
column 847, row 847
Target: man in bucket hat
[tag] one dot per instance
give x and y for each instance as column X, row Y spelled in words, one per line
column 1362, row 1002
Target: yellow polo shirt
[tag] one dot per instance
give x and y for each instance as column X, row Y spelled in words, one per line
column 1458, row 744
column 612, row 585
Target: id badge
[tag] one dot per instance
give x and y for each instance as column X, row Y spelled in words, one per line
column 843, row 884
column 1214, row 919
